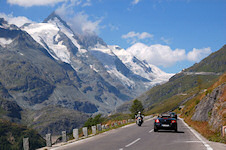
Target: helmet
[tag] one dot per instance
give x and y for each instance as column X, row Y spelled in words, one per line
column 139, row 112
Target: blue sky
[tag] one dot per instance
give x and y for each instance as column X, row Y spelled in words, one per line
column 174, row 34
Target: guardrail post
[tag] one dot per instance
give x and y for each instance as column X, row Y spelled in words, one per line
column 94, row 130
column 103, row 127
column 26, row 143
column 75, row 134
column 99, row 128
column 84, row 130
column 48, row 140
column 112, row 124
column 223, row 131
column 64, row 136
column 107, row 126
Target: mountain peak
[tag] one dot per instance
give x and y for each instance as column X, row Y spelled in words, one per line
column 51, row 17
column 54, row 16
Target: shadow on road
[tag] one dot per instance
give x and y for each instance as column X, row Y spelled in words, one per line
column 169, row 131
column 144, row 126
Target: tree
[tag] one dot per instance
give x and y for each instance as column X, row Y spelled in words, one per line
column 93, row 121
column 136, row 107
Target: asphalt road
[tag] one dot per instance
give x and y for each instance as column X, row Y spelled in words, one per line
column 132, row 137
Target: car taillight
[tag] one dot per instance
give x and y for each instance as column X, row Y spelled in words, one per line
column 173, row 121
column 157, row 121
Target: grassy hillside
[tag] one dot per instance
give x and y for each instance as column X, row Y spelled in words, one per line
column 213, row 63
column 172, row 94
column 12, row 137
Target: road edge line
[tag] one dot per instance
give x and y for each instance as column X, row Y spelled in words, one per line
column 208, row 147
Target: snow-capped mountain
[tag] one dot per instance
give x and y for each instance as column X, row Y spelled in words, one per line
column 141, row 68
column 6, row 30
column 133, row 73
column 64, row 45
column 94, row 60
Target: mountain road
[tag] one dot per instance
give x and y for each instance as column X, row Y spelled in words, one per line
column 132, row 137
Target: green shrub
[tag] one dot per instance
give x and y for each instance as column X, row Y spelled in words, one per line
column 94, row 121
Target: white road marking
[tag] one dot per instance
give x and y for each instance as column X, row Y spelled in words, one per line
column 132, row 142
column 193, row 141
column 151, row 130
column 121, row 149
column 208, row 147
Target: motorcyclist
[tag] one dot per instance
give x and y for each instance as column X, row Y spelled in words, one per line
column 139, row 115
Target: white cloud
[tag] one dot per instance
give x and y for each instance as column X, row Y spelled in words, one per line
column 113, row 27
column 131, row 34
column 29, row 3
column 79, row 22
column 18, row 21
column 198, row 54
column 134, row 2
column 145, row 35
column 159, row 55
column 87, row 3
column 134, row 37
column 167, row 41
column 162, row 55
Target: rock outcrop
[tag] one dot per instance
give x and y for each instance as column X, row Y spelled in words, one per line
column 212, row 108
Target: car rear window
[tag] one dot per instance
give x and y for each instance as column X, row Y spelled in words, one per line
column 165, row 116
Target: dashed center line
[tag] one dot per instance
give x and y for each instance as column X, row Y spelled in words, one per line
column 132, row 142
column 151, row 130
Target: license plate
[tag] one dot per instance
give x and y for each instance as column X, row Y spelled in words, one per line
column 165, row 125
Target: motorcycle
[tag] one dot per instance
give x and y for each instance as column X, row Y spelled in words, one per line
column 139, row 121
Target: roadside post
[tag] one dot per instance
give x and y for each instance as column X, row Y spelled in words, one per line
column 99, row 128
column 48, row 140
column 75, row 134
column 64, row 136
column 223, row 131
column 84, row 130
column 94, row 130
column 26, row 143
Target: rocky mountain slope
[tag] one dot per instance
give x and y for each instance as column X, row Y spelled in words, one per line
column 29, row 76
column 212, row 106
